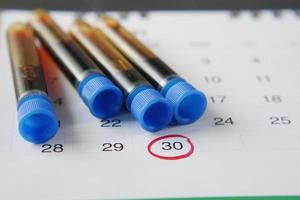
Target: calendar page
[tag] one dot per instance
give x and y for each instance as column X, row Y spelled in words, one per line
column 246, row 144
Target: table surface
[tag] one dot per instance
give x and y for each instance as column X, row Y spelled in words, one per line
column 85, row 5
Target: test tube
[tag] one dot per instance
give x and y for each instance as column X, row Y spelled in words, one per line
column 147, row 105
column 189, row 104
column 37, row 119
column 101, row 96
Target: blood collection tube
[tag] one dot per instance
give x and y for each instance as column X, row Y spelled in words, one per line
column 37, row 119
column 101, row 96
column 147, row 105
column 188, row 103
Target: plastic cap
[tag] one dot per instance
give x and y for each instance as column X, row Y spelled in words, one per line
column 151, row 109
column 189, row 104
column 101, row 96
column 37, row 119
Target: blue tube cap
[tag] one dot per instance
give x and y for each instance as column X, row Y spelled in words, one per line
column 151, row 109
column 102, row 97
column 189, row 104
column 37, row 119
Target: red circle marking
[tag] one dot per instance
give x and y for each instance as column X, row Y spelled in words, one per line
column 190, row 152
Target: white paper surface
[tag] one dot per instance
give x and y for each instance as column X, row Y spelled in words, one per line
column 251, row 61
